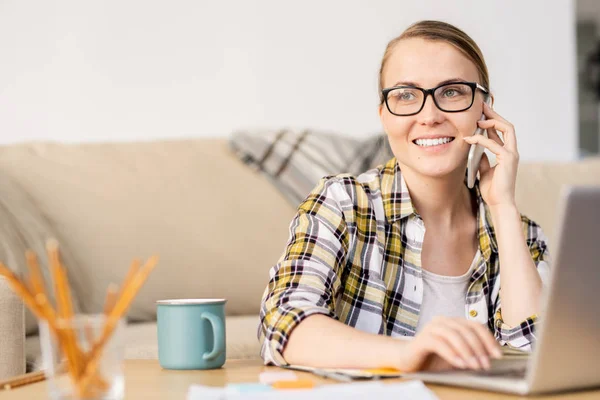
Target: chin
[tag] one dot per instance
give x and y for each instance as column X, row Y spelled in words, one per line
column 437, row 168
column 436, row 172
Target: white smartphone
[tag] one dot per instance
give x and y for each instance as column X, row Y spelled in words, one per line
column 476, row 152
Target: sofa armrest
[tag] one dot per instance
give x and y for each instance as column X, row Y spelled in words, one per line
column 12, row 332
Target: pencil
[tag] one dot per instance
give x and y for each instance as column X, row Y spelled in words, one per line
column 36, row 280
column 64, row 309
column 22, row 380
column 111, row 298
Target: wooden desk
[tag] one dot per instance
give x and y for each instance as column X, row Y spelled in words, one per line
column 145, row 379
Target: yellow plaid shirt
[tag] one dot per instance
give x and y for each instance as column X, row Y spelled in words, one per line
column 354, row 254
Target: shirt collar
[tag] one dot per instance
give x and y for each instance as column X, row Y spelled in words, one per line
column 394, row 193
column 398, row 205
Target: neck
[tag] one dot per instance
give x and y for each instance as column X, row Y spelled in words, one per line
column 442, row 201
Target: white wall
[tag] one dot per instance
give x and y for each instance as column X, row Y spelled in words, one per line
column 139, row 69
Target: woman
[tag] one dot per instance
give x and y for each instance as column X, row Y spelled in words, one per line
column 407, row 250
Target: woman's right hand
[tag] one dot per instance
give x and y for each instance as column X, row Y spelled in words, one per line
column 446, row 343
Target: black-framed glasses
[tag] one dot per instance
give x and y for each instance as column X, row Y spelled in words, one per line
column 449, row 97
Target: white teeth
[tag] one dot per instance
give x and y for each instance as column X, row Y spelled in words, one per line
column 433, row 142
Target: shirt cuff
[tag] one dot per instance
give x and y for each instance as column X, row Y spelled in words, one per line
column 275, row 337
column 520, row 336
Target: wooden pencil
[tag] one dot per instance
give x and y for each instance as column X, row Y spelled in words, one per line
column 131, row 274
column 36, row 279
column 28, row 378
column 111, row 298
column 22, row 380
column 38, row 290
column 64, row 310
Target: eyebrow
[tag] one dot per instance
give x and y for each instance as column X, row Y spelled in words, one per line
column 407, row 83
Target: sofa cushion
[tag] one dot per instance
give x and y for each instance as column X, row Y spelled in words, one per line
column 539, row 187
column 295, row 160
column 217, row 226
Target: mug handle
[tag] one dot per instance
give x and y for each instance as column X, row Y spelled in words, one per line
column 219, row 342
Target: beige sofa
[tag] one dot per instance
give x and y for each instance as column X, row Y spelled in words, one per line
column 217, row 226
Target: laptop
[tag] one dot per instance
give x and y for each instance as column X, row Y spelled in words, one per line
column 566, row 354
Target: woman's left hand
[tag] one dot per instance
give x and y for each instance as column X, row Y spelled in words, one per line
column 497, row 184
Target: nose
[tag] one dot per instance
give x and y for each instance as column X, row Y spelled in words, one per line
column 430, row 114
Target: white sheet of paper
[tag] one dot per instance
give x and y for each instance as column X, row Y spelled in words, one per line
column 415, row 390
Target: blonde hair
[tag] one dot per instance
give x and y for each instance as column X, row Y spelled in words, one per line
column 443, row 32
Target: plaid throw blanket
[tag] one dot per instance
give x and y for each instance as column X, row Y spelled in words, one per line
column 295, row 161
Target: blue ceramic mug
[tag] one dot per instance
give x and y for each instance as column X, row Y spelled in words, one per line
column 191, row 333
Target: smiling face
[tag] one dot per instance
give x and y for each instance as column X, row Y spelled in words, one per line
column 427, row 64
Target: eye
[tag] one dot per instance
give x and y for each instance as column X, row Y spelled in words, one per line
column 406, row 96
column 450, row 93
column 454, row 91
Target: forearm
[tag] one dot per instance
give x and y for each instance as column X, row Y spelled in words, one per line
column 321, row 341
column 520, row 282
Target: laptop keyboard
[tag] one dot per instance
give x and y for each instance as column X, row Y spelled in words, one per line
column 509, row 367
column 508, row 373
column 506, row 368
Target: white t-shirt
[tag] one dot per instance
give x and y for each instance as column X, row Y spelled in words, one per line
column 444, row 295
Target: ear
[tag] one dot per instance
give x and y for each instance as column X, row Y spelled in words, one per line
column 380, row 111
column 492, row 104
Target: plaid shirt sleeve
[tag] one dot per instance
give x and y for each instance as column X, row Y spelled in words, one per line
column 306, row 278
column 522, row 335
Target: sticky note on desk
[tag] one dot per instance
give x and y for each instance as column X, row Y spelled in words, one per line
column 296, row 384
column 272, row 377
column 383, row 371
